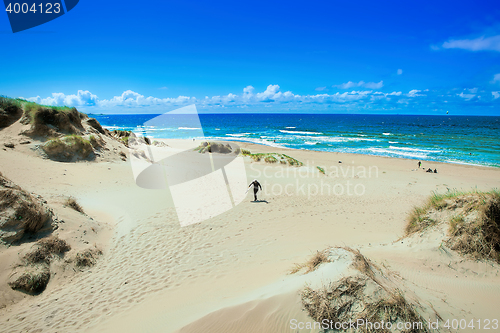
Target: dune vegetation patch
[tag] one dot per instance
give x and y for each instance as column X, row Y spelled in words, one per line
column 73, row 204
column 473, row 218
column 51, row 120
column 88, row 257
column 10, row 110
column 45, row 249
column 360, row 297
column 312, row 263
column 20, row 212
column 69, row 148
column 272, row 158
column 217, row 147
column 33, row 281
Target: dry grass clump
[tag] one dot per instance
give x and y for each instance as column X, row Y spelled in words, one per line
column 473, row 218
column 313, row 263
column 361, row 263
column 68, row 148
column 45, row 249
column 356, row 298
column 72, row 203
column 49, row 121
column 476, row 232
column 96, row 141
column 88, row 257
column 33, row 282
column 20, row 212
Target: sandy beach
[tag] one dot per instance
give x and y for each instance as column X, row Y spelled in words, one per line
column 231, row 273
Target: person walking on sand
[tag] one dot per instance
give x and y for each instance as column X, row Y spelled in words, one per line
column 419, row 164
column 256, row 186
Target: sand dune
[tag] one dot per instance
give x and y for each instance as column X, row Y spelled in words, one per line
column 230, row 273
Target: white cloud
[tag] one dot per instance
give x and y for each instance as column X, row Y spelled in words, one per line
column 163, row 88
column 400, row 71
column 496, row 78
column 321, row 89
column 414, row 93
column 478, row 44
column 82, row 98
column 369, row 85
column 467, row 97
column 272, row 98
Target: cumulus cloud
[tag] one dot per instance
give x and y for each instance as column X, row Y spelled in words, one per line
column 491, row 43
column 369, row 85
column 496, row 78
column 321, row 89
column 82, row 98
column 400, row 71
column 274, row 98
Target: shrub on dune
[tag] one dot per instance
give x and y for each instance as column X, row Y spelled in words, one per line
column 68, row 148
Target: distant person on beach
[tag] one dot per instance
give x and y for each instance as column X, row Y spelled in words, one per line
column 419, row 164
column 435, row 170
column 429, row 170
column 256, row 186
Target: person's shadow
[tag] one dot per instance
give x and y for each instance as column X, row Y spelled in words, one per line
column 259, row 201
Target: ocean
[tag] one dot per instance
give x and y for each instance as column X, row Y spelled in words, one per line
column 453, row 139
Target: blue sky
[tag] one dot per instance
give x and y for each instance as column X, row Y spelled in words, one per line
column 228, row 56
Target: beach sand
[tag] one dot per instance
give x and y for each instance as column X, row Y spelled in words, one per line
column 231, row 273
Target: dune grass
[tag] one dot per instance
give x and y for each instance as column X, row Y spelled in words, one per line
column 473, row 218
column 272, row 158
column 45, row 249
column 312, row 263
column 68, row 147
column 28, row 212
column 32, row 282
column 72, row 203
column 88, row 257
column 347, row 300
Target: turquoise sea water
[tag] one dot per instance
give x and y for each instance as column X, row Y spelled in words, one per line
column 456, row 139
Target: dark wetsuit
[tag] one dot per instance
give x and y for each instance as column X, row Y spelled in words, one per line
column 256, row 186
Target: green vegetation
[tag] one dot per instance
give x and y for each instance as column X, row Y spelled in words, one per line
column 272, row 158
column 473, row 218
column 68, row 148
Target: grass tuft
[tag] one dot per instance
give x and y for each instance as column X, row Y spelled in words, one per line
column 32, row 282
column 312, row 263
column 45, row 249
column 72, row 203
column 349, row 300
column 88, row 257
